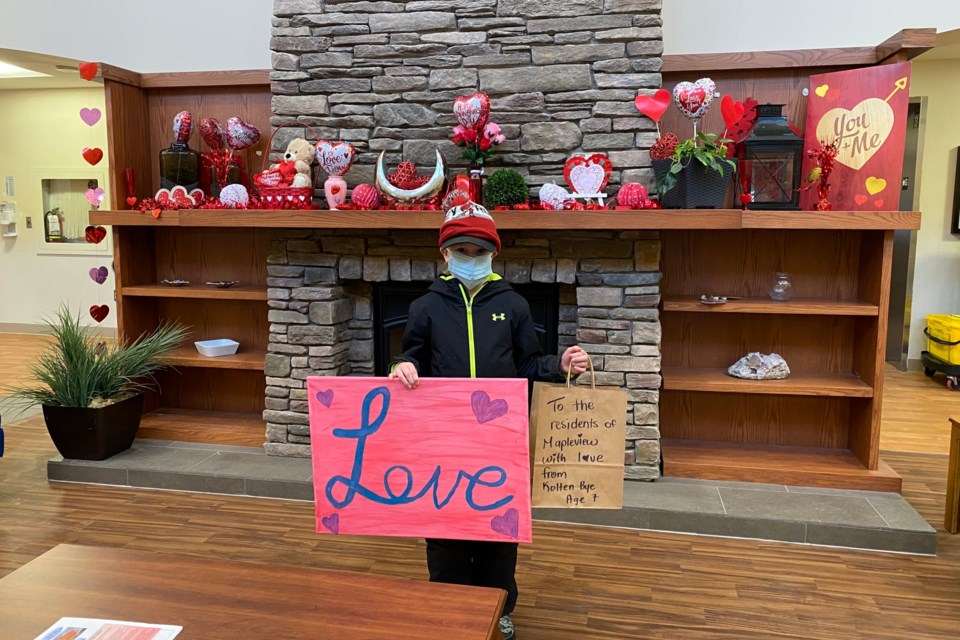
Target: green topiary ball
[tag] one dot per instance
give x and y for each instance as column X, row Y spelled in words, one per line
column 505, row 187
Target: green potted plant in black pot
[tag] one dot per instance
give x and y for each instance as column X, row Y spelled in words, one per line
column 504, row 189
column 696, row 175
column 91, row 390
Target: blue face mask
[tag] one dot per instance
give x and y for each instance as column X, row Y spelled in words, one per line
column 470, row 271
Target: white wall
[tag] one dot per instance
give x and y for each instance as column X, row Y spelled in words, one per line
column 712, row 26
column 41, row 135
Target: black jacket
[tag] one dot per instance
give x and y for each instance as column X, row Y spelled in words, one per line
column 501, row 343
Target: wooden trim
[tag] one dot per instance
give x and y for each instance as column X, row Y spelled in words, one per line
column 181, row 80
column 798, row 384
column 906, row 45
column 117, row 74
column 951, row 514
column 196, row 292
column 797, row 306
column 188, row 356
column 520, row 220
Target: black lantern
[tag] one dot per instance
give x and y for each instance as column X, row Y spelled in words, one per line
column 772, row 161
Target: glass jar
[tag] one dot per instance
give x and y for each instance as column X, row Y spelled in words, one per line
column 781, row 288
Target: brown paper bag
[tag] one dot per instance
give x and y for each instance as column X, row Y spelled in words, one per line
column 577, row 443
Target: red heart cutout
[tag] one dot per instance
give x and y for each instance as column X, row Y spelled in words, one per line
column 131, row 201
column 746, row 198
column 93, row 156
column 860, row 199
column 585, row 174
column 88, row 70
column 731, row 110
column 878, row 203
column 156, row 214
column 99, row 313
column 653, row 106
column 95, row 234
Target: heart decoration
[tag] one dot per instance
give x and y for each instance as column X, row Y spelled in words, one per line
column 508, row 524
column 822, row 90
column 93, row 156
column 746, row 198
column 587, row 175
column 335, row 158
column 694, row 98
column 99, row 274
column 875, row 185
column 94, row 234
column 88, row 70
column 331, row 523
column 212, row 133
column 878, row 203
column 325, row 397
column 860, row 199
column 182, row 127
column 472, row 111
column 486, row 409
column 156, row 213
column 90, row 117
column 873, row 116
column 553, row 195
column 731, row 110
column 241, row 135
column 132, row 201
column 178, row 198
column 99, row 312
column 653, row 106
column 95, row 196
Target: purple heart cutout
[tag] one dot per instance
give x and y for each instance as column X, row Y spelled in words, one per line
column 486, row 409
column 99, row 274
column 508, row 524
column 331, row 523
column 90, row 117
column 325, row 397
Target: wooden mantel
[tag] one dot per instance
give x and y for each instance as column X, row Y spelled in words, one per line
column 520, row 220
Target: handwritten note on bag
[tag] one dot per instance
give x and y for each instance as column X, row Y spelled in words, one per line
column 578, row 438
column 448, row 459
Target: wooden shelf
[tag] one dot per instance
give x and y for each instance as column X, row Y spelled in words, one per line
column 212, row 427
column 196, row 291
column 188, row 356
column 798, row 384
column 800, row 466
column 519, row 220
column 797, row 306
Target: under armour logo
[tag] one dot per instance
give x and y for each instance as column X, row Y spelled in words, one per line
column 499, row 316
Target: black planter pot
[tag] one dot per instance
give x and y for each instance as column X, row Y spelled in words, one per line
column 698, row 187
column 94, row 434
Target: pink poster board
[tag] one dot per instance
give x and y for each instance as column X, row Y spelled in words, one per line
column 449, row 459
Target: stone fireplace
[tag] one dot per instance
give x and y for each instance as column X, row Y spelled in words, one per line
column 562, row 76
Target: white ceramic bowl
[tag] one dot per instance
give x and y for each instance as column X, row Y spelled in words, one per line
column 214, row 348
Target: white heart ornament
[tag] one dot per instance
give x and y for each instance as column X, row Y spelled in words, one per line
column 587, row 178
column 554, row 195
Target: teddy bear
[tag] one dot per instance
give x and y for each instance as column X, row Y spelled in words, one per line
column 293, row 171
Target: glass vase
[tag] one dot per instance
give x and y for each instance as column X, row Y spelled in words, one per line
column 781, row 287
column 476, row 183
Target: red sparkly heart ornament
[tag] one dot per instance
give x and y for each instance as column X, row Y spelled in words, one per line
column 93, row 156
column 88, row 70
column 654, row 106
column 587, row 175
column 94, row 234
column 99, row 312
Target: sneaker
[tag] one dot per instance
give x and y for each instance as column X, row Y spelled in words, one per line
column 506, row 628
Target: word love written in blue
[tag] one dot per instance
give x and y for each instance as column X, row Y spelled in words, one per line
column 497, row 475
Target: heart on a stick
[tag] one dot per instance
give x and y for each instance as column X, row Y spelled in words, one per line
column 653, row 106
column 486, row 409
column 860, row 132
column 587, row 175
column 693, row 99
column 335, row 158
column 731, row 110
column 472, row 111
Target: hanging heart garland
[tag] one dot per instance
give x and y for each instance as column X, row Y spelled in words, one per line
column 99, row 274
column 93, row 156
column 90, row 117
column 99, row 312
column 95, row 235
column 88, row 70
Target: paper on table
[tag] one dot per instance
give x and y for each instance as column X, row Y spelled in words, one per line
column 93, row 629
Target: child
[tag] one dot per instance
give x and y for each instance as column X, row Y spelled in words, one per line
column 471, row 323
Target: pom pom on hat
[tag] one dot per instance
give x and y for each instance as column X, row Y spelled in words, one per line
column 469, row 222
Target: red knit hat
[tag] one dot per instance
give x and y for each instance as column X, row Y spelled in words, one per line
column 469, row 222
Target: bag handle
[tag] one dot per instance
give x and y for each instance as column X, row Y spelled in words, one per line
column 593, row 374
column 938, row 340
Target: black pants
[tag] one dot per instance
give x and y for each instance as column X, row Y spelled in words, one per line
column 478, row 564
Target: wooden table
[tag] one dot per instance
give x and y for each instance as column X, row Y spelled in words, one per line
column 237, row 600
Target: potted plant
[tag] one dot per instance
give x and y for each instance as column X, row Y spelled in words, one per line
column 696, row 174
column 505, row 188
column 92, row 391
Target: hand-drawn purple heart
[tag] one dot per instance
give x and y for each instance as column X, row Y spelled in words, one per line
column 99, row 274
column 325, row 397
column 331, row 522
column 90, row 116
column 486, row 409
column 508, row 524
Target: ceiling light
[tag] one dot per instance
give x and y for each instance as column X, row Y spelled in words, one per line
column 11, row 71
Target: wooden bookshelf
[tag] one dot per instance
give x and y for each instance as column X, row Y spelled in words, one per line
column 203, row 292
column 798, row 384
column 796, row 306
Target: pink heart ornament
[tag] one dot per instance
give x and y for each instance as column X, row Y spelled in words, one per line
column 90, row 117
column 508, row 524
column 554, row 195
column 95, row 196
column 693, row 99
column 99, row 274
column 335, row 158
column 485, row 409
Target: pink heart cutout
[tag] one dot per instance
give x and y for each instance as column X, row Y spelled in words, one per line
column 325, row 397
column 99, row 274
column 508, row 524
column 486, row 409
column 331, row 523
column 95, row 196
column 90, row 117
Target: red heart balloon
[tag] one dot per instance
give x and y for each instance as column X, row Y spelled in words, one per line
column 99, row 312
column 93, row 156
column 241, row 135
column 731, row 110
column 472, row 111
column 95, row 234
column 653, row 106
column 88, row 70
column 587, row 175
column 212, row 133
